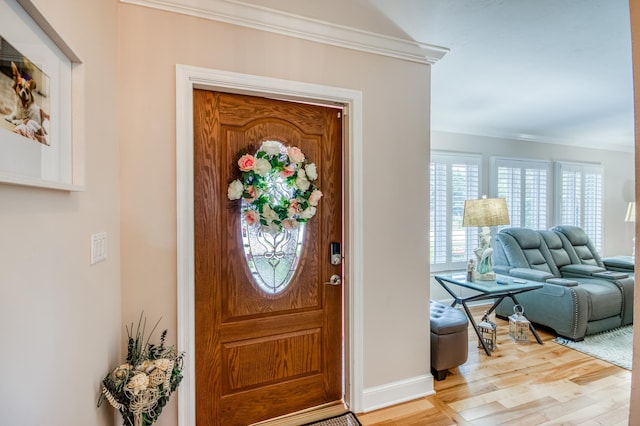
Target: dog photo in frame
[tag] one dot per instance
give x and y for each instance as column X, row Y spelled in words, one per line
column 24, row 95
column 40, row 90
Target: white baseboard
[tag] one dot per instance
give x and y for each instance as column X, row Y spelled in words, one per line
column 397, row 392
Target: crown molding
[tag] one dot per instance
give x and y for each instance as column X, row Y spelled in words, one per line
column 271, row 20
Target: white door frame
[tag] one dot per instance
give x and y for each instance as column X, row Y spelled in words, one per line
column 187, row 79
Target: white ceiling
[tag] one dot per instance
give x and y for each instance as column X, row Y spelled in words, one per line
column 556, row 71
column 546, row 70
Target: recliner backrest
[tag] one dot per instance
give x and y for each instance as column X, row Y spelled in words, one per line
column 525, row 248
column 561, row 256
column 577, row 240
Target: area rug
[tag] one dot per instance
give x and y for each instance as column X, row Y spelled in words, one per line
column 346, row 419
column 614, row 346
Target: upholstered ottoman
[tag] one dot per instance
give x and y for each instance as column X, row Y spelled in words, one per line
column 449, row 339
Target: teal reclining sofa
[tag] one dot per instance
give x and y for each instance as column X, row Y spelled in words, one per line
column 579, row 297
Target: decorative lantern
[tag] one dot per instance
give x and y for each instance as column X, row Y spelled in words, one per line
column 487, row 331
column 519, row 326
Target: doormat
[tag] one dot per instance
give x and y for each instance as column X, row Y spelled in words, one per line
column 614, row 346
column 346, row 419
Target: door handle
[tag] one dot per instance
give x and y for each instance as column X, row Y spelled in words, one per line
column 334, row 280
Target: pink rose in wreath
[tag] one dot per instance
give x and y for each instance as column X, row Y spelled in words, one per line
column 251, row 217
column 247, row 162
column 294, row 208
column 295, row 155
column 288, row 171
column 315, row 197
column 251, row 194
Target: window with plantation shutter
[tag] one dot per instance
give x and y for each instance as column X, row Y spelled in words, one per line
column 525, row 186
column 579, row 198
column 454, row 179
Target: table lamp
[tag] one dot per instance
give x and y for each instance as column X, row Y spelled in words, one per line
column 631, row 217
column 484, row 213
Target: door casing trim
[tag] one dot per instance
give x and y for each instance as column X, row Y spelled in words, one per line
column 189, row 78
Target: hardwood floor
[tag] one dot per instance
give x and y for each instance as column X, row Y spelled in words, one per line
column 520, row 384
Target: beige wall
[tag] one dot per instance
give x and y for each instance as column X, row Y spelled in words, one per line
column 60, row 317
column 395, row 175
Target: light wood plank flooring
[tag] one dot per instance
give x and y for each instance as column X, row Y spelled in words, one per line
column 520, row 384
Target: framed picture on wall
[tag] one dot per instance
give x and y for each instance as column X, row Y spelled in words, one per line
column 40, row 123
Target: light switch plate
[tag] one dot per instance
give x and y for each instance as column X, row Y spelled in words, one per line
column 98, row 247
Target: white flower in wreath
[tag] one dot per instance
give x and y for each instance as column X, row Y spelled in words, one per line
column 269, row 214
column 271, row 228
column 302, row 183
column 235, row 190
column 308, row 213
column 312, row 174
column 262, row 167
column 271, row 148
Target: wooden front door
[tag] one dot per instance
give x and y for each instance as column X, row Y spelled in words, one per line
column 260, row 355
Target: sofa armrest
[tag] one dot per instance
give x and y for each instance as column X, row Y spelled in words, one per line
column 619, row 263
column 563, row 282
column 611, row 275
column 501, row 269
column 530, row 274
column 580, row 270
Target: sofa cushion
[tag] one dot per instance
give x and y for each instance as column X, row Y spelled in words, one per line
column 525, row 248
column 605, row 299
column 580, row 243
column 556, row 247
column 574, row 234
